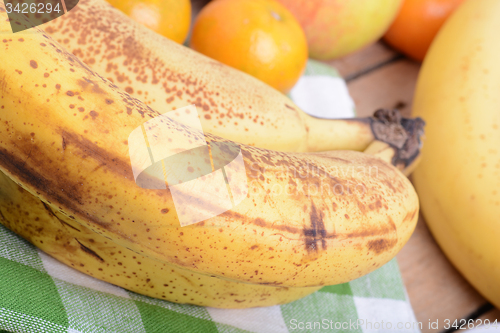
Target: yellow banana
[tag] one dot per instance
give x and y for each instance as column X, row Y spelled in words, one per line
column 458, row 180
column 166, row 76
column 64, row 137
column 92, row 254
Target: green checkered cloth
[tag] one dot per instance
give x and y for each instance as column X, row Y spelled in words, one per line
column 39, row 294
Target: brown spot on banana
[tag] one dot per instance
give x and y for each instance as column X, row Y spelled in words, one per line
column 380, row 245
column 70, row 198
column 410, row 215
column 388, row 229
column 93, row 114
column 316, row 234
column 3, row 80
column 51, row 212
column 85, row 83
column 89, row 251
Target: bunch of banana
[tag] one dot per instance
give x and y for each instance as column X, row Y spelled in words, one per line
column 458, row 180
column 166, row 75
column 69, row 188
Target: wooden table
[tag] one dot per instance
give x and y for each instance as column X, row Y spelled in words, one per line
column 380, row 77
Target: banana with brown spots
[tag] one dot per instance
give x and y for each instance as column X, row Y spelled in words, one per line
column 166, row 76
column 308, row 219
column 79, row 247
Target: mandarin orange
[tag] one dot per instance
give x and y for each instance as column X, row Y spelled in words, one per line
column 259, row 37
column 416, row 25
column 170, row 18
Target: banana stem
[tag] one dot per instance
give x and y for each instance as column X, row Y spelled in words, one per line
column 358, row 133
column 398, row 140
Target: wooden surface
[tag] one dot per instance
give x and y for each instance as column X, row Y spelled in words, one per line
column 380, row 77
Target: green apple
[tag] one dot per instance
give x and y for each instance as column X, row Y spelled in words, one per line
column 335, row 28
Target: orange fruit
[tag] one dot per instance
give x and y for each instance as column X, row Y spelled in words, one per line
column 259, row 37
column 416, row 25
column 170, row 18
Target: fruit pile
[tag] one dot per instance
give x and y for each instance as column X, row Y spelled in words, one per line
column 305, row 220
column 268, row 39
column 76, row 96
column 272, row 39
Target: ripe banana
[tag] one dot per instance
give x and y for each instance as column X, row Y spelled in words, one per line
column 64, row 138
column 166, row 76
column 458, row 180
column 90, row 253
